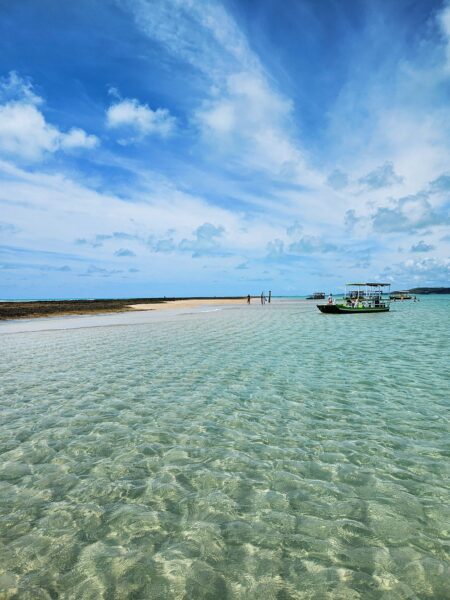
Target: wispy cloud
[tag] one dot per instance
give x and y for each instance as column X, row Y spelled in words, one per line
column 244, row 117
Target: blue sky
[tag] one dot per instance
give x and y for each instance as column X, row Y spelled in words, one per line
column 192, row 148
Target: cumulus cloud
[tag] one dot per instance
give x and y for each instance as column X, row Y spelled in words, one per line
column 275, row 249
column 95, row 271
column 427, row 271
column 295, row 229
column 205, row 241
column 278, row 249
column 309, row 244
column 135, row 121
column 410, row 213
column 124, row 252
column 440, row 184
column 98, row 240
column 24, row 131
column 337, row 180
column 8, row 228
column 163, row 245
column 350, row 219
column 77, row 138
column 421, row 247
column 382, row 176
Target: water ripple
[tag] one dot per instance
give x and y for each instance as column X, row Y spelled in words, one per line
column 246, row 453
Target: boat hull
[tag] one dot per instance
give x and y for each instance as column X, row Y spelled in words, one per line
column 337, row 309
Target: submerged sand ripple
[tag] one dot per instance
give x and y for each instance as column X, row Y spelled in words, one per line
column 262, row 452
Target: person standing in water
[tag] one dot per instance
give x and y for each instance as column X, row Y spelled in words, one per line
column 263, row 298
column 270, row 296
column 248, row 299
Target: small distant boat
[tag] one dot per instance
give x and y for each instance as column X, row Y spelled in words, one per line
column 360, row 298
column 401, row 296
column 316, row 296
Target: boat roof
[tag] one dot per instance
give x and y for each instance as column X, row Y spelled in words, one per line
column 378, row 284
column 369, row 284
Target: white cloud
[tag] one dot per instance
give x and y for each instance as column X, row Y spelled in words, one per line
column 24, row 132
column 77, row 138
column 136, row 120
column 205, row 242
column 381, row 177
column 428, row 271
column 422, row 247
column 249, row 121
column 201, row 34
column 75, row 218
column 409, row 214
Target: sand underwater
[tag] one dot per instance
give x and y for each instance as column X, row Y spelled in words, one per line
column 241, row 452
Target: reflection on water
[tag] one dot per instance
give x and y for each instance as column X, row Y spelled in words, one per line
column 254, row 452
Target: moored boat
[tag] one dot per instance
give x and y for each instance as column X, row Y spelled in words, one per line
column 360, row 298
column 316, row 296
column 400, row 296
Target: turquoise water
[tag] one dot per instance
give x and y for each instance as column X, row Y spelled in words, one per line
column 252, row 452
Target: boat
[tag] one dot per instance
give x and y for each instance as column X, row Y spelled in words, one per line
column 401, row 296
column 316, row 296
column 360, row 298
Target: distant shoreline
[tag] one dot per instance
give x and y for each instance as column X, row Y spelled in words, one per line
column 56, row 308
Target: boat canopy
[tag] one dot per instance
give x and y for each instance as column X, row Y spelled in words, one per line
column 369, row 284
column 366, row 290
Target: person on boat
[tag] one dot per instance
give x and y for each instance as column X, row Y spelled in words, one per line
column 330, row 299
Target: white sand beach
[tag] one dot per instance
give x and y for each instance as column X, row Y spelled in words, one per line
column 173, row 304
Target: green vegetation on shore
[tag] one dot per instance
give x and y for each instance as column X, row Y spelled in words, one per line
column 430, row 290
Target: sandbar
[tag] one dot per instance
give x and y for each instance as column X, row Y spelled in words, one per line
column 189, row 303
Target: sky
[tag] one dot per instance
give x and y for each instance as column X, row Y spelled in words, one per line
column 185, row 147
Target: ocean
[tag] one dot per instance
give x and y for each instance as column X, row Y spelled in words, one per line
column 243, row 453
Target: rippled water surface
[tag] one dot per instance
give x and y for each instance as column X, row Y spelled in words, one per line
column 252, row 452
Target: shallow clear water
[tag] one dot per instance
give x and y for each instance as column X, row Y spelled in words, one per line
column 254, row 452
